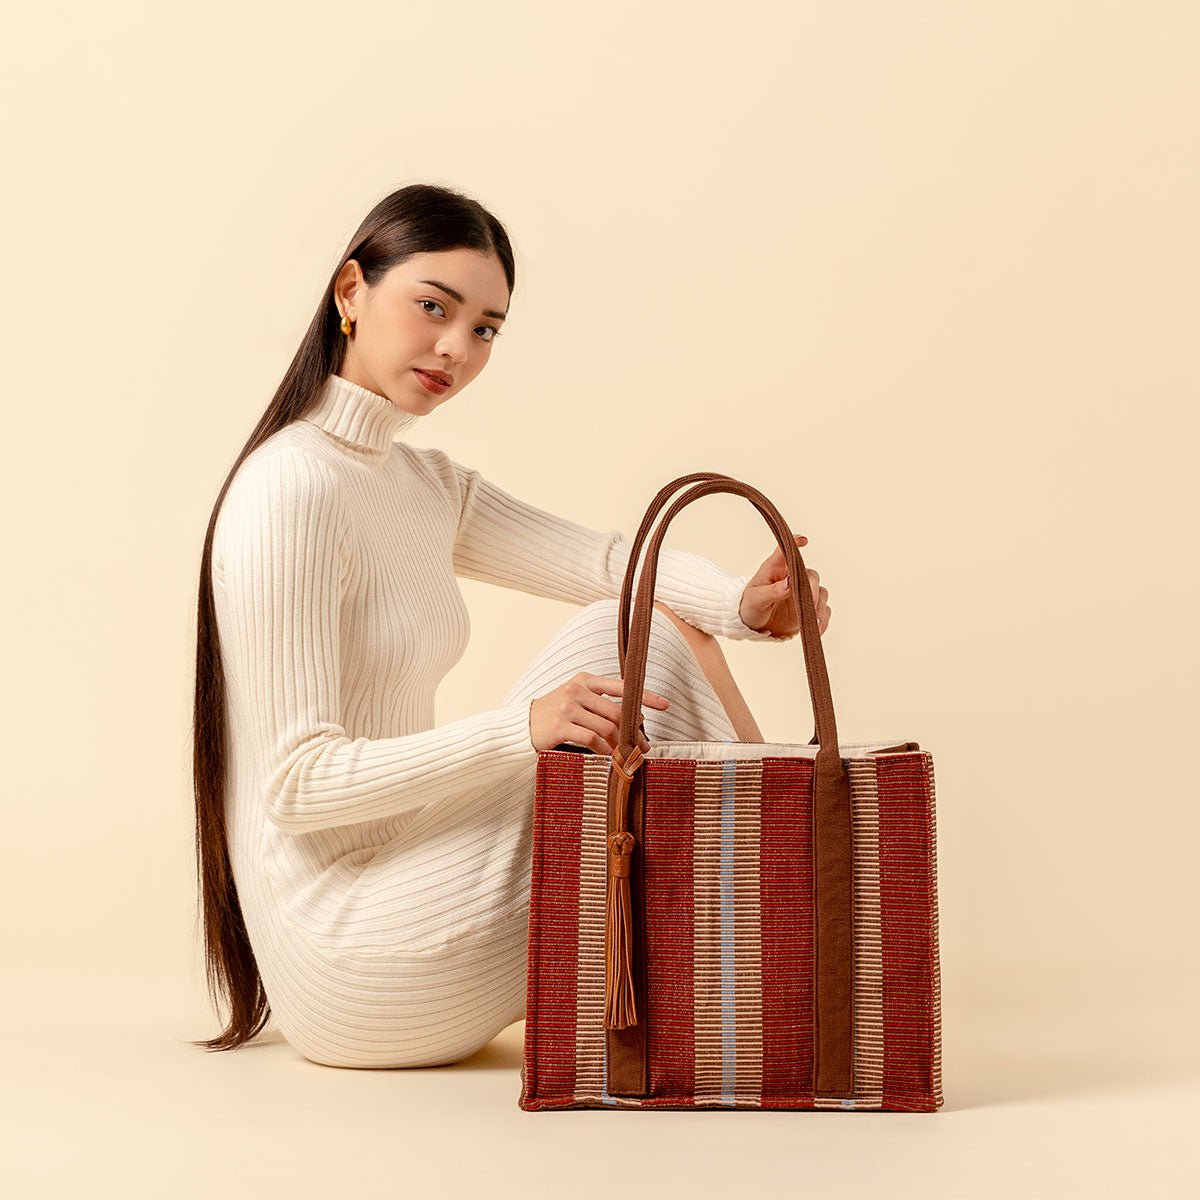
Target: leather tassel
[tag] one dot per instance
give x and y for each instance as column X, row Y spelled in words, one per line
column 620, row 1010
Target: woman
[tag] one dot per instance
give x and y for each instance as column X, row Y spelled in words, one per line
column 365, row 873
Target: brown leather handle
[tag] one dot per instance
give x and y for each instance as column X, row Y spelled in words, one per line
column 644, row 529
column 832, row 843
column 638, row 538
column 634, row 673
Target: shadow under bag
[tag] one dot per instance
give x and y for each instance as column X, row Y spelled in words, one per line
column 732, row 924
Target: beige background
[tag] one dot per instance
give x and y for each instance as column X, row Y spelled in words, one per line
column 926, row 274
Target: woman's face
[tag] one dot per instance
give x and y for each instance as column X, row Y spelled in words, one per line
column 434, row 312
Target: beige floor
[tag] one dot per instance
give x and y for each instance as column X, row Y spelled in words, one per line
column 1055, row 1086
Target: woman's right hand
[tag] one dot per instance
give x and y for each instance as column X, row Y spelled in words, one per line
column 577, row 712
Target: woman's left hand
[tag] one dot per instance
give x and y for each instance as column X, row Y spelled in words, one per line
column 764, row 601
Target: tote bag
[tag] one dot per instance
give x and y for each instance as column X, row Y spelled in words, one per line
column 732, row 924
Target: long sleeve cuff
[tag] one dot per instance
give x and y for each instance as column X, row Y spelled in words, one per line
column 735, row 627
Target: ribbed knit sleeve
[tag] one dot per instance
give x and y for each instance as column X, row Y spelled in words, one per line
column 504, row 540
column 280, row 552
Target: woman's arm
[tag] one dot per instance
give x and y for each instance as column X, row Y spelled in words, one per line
column 279, row 551
column 504, row 540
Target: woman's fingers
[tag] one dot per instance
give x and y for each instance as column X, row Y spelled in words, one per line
column 592, row 700
column 612, row 685
column 576, row 711
column 801, row 540
column 606, row 731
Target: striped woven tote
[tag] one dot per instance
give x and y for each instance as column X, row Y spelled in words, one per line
column 732, row 924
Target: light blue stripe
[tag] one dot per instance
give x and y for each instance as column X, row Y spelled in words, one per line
column 728, row 1004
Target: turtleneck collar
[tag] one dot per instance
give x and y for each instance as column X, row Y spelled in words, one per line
column 359, row 416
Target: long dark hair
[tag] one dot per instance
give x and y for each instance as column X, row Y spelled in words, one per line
column 418, row 219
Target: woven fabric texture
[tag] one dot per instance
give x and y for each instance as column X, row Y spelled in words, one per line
column 729, row 934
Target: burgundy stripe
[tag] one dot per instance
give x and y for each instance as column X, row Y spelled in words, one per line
column 785, row 900
column 668, row 837
column 904, row 894
column 554, row 928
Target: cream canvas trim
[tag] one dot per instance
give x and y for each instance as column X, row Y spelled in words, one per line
column 756, row 750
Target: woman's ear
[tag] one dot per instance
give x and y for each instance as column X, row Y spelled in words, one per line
column 347, row 288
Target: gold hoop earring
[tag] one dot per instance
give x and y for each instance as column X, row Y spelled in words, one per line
column 345, row 325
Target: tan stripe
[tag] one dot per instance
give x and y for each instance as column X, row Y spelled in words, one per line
column 868, row 936
column 589, row 1013
column 706, row 891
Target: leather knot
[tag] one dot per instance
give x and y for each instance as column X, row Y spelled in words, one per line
column 620, row 854
column 626, row 767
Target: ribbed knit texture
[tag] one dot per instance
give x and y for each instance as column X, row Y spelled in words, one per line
column 382, row 860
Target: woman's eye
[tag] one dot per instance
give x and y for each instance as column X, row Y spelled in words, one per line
column 492, row 331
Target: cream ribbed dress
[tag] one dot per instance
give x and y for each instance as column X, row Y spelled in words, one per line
column 382, row 861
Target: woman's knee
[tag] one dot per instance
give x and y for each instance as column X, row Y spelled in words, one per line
column 587, row 641
column 699, row 640
column 606, row 615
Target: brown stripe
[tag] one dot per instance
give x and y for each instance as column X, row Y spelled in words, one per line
column 833, row 856
column 627, row 1050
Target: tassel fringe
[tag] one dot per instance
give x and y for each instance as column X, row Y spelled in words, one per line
column 620, row 1010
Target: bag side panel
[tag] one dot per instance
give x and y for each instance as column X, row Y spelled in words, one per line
column 548, row 1069
column 908, row 934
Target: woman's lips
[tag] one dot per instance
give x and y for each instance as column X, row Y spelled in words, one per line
column 430, row 383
